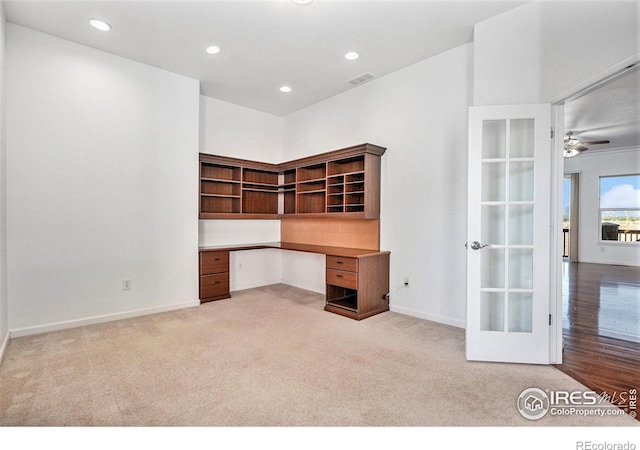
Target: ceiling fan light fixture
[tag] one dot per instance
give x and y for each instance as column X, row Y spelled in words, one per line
column 570, row 152
column 574, row 146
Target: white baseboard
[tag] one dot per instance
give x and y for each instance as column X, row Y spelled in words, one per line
column 26, row 331
column 432, row 317
column 610, row 263
column 4, row 345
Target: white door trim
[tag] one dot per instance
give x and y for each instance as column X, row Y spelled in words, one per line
column 556, row 242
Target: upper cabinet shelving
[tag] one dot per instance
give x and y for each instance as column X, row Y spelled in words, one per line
column 341, row 184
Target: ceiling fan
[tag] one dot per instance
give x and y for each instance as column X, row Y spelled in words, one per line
column 573, row 146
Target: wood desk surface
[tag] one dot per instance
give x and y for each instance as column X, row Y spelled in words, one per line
column 320, row 249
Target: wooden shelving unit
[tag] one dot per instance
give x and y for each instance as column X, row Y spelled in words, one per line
column 288, row 191
column 220, row 188
column 343, row 183
column 311, row 189
column 259, row 191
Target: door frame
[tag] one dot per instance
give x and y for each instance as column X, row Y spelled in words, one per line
column 556, row 239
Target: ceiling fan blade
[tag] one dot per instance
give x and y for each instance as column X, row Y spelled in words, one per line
column 594, row 142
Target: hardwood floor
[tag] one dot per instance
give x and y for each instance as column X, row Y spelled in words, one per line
column 601, row 327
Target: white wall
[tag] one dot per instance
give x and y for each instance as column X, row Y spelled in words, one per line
column 591, row 166
column 4, row 302
column 420, row 115
column 541, row 50
column 304, row 270
column 231, row 130
column 102, row 153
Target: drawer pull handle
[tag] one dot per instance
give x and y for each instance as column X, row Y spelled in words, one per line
column 215, row 282
column 215, row 259
column 339, row 262
column 338, row 276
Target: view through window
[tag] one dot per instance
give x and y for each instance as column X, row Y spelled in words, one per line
column 620, row 208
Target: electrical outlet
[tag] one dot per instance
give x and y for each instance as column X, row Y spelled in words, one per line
column 406, row 281
column 126, row 285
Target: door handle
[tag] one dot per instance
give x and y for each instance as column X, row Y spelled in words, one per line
column 475, row 245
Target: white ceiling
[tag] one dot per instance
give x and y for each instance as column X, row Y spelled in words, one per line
column 269, row 43
column 609, row 112
column 266, row 44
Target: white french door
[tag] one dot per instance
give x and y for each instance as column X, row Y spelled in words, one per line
column 509, row 211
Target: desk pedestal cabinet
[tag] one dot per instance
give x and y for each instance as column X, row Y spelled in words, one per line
column 358, row 287
column 214, row 275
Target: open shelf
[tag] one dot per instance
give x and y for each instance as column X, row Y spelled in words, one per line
column 311, row 186
column 220, row 188
column 354, row 164
column 343, row 298
column 258, row 202
column 219, row 172
column 259, row 177
column 313, row 172
column 216, row 204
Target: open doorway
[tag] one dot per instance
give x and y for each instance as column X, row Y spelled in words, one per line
column 600, row 268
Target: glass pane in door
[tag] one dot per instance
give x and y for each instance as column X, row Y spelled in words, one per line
column 520, row 312
column 493, row 182
column 494, row 139
column 521, row 268
column 492, row 311
column 521, row 139
column 521, row 224
column 493, row 225
column 492, row 268
column 521, row 181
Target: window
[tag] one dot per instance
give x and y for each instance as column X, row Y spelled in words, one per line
column 620, row 208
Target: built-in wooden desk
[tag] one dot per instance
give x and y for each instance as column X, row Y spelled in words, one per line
column 357, row 279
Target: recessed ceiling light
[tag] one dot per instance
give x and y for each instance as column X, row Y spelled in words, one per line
column 99, row 24
column 213, row 49
column 301, row 2
column 285, row 89
column 351, row 56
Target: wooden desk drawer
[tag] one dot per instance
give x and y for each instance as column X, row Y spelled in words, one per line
column 340, row 263
column 214, row 285
column 342, row 278
column 214, row 262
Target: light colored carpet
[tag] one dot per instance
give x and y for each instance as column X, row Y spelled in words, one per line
column 267, row 357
